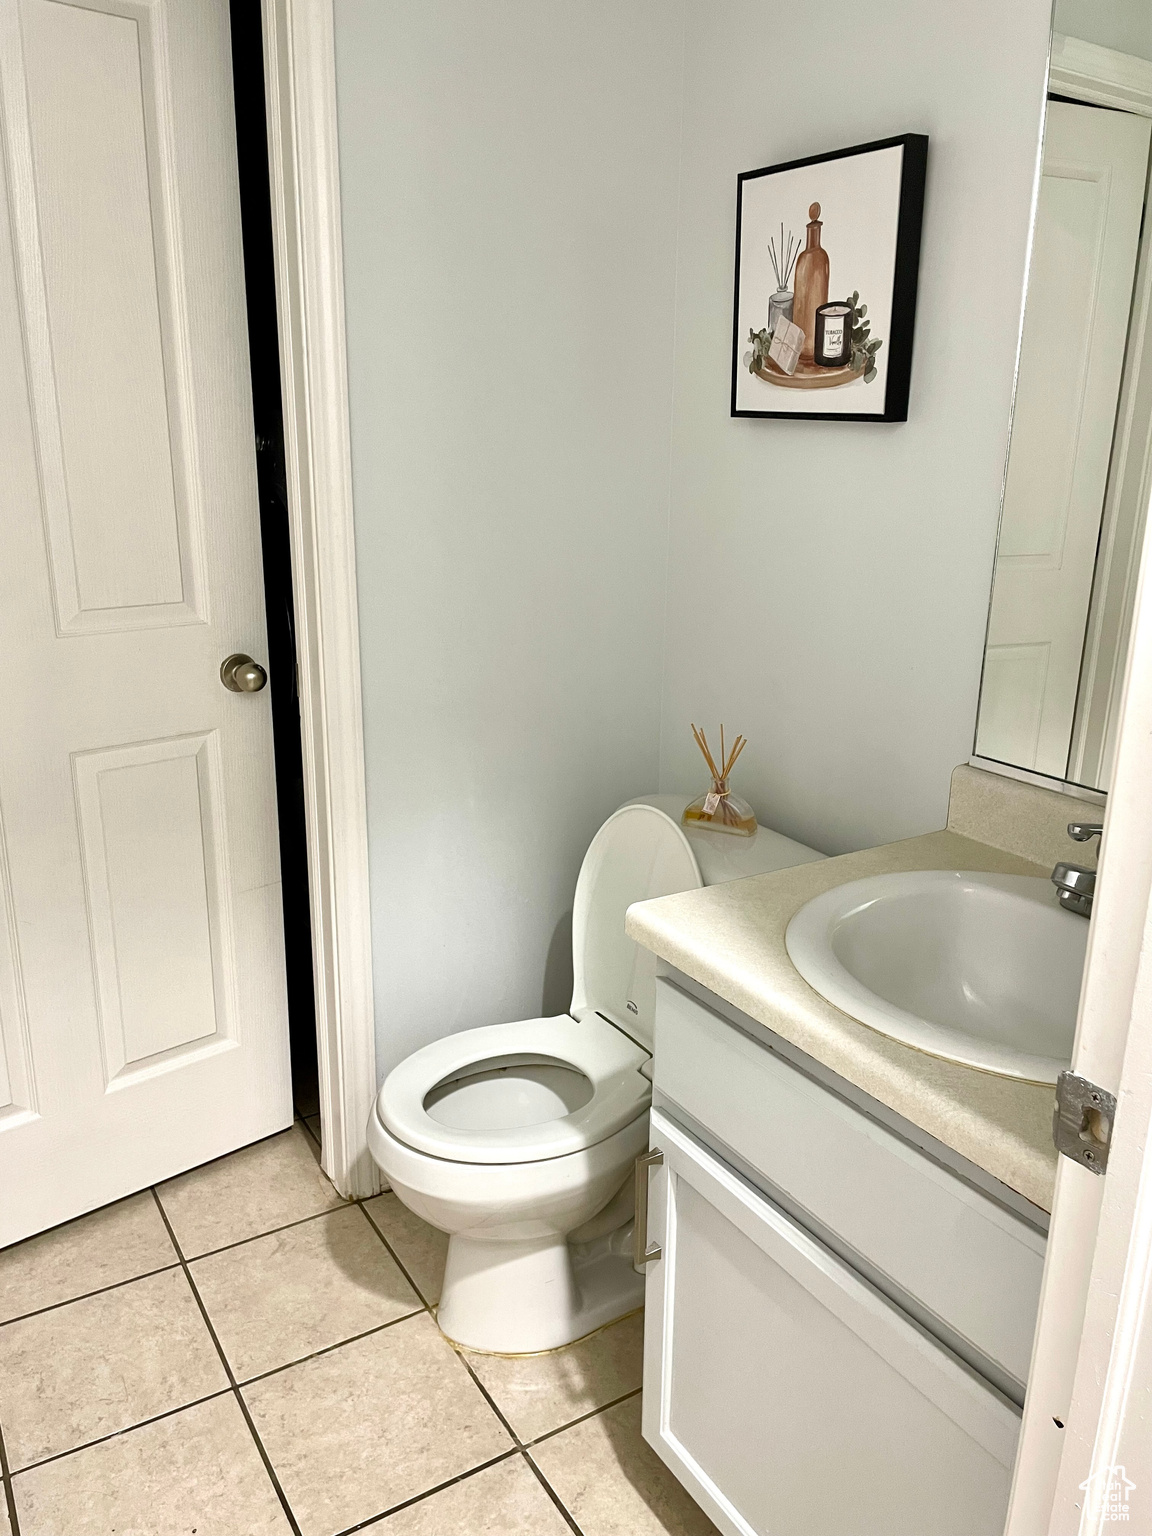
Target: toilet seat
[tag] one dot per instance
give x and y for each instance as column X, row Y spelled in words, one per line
column 590, row 1045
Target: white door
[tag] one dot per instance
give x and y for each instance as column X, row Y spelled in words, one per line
column 788, row 1396
column 1072, row 355
column 142, row 1004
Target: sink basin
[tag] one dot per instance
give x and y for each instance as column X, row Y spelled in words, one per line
column 980, row 969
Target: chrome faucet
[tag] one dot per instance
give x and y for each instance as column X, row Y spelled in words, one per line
column 1075, row 884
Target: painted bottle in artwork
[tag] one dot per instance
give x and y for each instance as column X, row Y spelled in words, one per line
column 811, row 283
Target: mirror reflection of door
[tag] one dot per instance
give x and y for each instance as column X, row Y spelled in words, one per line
column 1036, row 708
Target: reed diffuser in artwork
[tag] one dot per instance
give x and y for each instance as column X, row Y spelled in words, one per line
column 719, row 809
column 783, row 260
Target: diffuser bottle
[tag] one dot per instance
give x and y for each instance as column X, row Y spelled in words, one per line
column 811, row 285
column 719, row 809
column 729, row 813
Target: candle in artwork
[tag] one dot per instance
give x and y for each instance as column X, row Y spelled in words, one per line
column 832, row 347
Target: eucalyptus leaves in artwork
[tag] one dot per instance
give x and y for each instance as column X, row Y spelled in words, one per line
column 758, row 357
column 863, row 350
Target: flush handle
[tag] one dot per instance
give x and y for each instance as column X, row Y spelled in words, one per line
column 642, row 1252
column 240, row 674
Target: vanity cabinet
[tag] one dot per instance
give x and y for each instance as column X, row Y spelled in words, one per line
column 806, row 1319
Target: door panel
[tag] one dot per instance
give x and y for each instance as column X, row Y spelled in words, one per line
column 788, row 1396
column 141, row 965
column 153, row 858
column 96, row 229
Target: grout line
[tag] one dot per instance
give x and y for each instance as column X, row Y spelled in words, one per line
column 264, row 1457
column 310, row 1132
column 591, row 1414
column 115, row 1434
column 491, row 1401
column 9, row 1493
column 271, row 1232
column 396, row 1259
column 328, row 1348
column 101, row 1290
column 551, row 1492
column 418, row 1498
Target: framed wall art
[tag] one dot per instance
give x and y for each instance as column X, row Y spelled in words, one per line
column 827, row 256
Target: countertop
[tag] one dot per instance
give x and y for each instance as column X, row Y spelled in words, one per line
column 730, row 939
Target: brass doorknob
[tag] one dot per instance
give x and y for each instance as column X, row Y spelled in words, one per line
column 241, row 674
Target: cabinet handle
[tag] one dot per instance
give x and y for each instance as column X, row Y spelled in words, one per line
column 641, row 1252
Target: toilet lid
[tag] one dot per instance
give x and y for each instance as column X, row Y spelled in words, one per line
column 638, row 853
column 607, row 1058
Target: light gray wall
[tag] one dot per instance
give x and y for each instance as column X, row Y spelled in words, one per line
column 547, row 478
column 828, row 582
column 1125, row 25
column 509, row 200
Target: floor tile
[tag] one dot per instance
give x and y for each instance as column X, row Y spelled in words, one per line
column 281, row 1297
column 101, row 1364
column 538, row 1393
column 5, row 1524
column 504, row 1500
column 198, row 1470
column 313, row 1124
column 116, row 1243
column 420, row 1248
column 373, row 1423
column 613, row 1483
column 252, row 1191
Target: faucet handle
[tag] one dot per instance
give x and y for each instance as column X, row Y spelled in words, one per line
column 1084, row 831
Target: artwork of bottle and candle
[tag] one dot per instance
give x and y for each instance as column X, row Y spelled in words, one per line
column 827, row 256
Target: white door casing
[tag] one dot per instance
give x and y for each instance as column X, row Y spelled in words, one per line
column 1071, row 359
column 300, row 80
column 142, row 1001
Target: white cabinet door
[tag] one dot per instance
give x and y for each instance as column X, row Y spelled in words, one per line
column 788, row 1396
column 143, row 1022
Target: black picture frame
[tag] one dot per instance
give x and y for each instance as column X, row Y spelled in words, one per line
column 905, row 279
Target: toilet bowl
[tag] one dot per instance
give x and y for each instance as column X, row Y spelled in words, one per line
column 519, row 1139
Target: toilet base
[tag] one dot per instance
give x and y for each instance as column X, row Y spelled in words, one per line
column 519, row 1298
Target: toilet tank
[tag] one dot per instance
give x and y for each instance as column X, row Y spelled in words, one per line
column 642, row 852
column 724, row 856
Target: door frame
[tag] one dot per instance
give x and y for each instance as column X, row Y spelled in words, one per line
column 1102, row 77
column 300, row 84
column 1091, row 1376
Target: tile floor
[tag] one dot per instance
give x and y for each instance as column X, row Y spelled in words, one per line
column 239, row 1352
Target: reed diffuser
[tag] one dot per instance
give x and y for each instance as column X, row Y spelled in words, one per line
column 720, row 809
column 783, row 260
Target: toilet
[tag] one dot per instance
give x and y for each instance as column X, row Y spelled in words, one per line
column 518, row 1140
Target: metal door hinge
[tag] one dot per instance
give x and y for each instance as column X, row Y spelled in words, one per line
column 1082, row 1121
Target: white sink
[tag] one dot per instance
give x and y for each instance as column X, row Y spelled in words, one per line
column 980, row 969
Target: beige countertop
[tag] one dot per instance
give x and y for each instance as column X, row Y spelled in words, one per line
column 730, row 939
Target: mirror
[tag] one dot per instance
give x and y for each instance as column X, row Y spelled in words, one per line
column 1079, row 466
